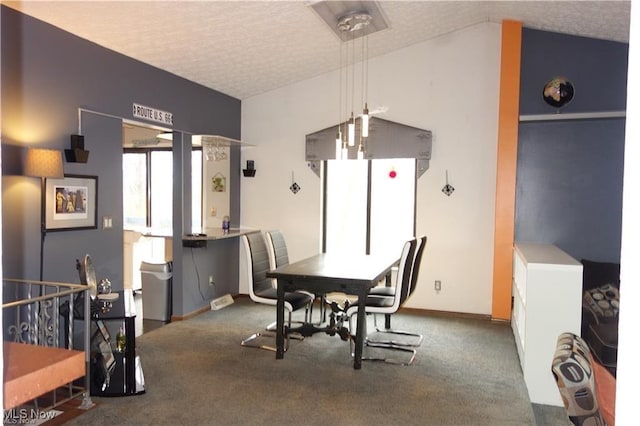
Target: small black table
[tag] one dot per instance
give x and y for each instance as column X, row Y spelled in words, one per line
column 326, row 273
column 124, row 375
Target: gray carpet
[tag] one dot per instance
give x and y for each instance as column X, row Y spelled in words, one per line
column 196, row 372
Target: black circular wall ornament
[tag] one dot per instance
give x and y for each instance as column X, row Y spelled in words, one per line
column 558, row 92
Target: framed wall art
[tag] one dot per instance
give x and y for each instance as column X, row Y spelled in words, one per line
column 219, row 183
column 71, row 203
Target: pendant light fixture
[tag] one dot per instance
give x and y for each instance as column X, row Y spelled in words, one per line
column 364, row 131
column 352, row 21
column 364, row 120
column 339, row 132
column 352, row 119
column 352, row 130
column 355, row 25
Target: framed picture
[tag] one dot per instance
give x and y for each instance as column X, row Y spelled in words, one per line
column 107, row 355
column 218, row 183
column 71, row 203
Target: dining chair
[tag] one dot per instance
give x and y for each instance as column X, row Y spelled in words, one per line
column 389, row 304
column 279, row 256
column 390, row 292
column 262, row 288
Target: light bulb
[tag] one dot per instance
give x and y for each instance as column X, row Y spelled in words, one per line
column 365, row 122
column 352, row 131
column 360, row 153
column 338, row 146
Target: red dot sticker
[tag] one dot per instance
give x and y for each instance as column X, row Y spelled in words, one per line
column 392, row 174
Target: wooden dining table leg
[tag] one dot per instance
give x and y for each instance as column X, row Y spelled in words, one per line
column 280, row 321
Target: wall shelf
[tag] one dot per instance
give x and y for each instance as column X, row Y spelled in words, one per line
column 220, row 141
column 573, row 116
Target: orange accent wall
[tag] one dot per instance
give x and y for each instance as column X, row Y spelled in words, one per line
column 506, row 168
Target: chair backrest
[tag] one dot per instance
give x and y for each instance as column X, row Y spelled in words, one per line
column 415, row 270
column 403, row 279
column 257, row 262
column 277, row 247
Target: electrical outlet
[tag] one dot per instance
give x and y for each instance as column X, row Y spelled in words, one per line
column 211, row 282
column 437, row 285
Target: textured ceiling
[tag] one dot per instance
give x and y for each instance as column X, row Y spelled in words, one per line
column 244, row 48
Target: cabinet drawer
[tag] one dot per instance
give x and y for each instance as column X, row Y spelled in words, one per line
column 520, row 277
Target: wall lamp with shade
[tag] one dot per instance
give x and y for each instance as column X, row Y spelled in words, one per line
column 43, row 163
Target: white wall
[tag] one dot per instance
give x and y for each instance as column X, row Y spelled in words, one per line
column 448, row 85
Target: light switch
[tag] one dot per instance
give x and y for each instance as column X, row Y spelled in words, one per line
column 213, row 212
column 107, row 222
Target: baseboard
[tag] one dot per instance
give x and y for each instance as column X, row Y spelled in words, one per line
column 201, row 310
column 448, row 314
column 190, row 314
column 415, row 311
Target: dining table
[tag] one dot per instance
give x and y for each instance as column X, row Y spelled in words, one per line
column 327, row 273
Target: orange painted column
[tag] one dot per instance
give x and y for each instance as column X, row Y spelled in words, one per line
column 506, row 169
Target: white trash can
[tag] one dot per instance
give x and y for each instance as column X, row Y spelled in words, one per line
column 156, row 290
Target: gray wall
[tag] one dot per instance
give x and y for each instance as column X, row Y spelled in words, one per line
column 569, row 178
column 47, row 74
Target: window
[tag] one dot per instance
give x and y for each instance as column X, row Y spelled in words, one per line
column 346, row 206
column 161, row 189
column 393, row 188
column 369, row 205
column 148, row 188
column 196, row 190
column 134, row 191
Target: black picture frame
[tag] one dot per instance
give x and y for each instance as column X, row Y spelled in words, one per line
column 108, row 358
column 103, row 330
column 71, row 203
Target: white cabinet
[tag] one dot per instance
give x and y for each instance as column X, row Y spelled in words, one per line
column 547, row 301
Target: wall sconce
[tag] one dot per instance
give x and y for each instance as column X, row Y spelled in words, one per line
column 250, row 171
column 43, row 163
column 76, row 154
